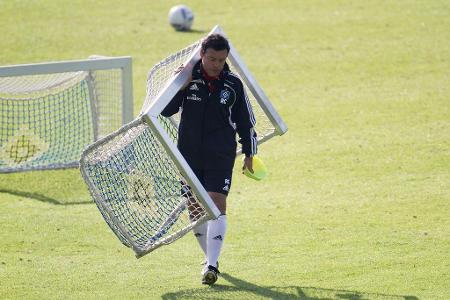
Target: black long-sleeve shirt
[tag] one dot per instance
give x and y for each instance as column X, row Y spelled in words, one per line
column 211, row 114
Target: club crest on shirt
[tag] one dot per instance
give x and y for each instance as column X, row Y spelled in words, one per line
column 224, row 96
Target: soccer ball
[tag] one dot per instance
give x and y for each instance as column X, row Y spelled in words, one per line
column 181, row 17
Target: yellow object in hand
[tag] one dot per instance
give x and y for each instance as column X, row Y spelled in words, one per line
column 259, row 169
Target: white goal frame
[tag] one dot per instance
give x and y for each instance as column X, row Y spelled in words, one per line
column 96, row 158
column 94, row 63
column 178, row 81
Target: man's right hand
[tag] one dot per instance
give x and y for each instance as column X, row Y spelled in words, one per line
column 178, row 70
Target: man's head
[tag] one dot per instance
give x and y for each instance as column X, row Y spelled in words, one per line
column 214, row 53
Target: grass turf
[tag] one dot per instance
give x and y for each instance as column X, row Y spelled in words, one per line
column 356, row 204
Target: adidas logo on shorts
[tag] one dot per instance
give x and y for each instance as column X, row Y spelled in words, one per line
column 227, row 185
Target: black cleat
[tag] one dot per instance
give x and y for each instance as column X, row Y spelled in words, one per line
column 210, row 275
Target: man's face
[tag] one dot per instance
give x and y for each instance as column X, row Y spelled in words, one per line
column 213, row 61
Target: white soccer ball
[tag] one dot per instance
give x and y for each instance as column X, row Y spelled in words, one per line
column 181, row 17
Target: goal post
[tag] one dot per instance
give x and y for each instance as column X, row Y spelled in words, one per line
column 142, row 185
column 49, row 112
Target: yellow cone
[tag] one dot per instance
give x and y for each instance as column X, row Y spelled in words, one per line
column 259, row 169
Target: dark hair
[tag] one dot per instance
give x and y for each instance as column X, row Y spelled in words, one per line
column 215, row 41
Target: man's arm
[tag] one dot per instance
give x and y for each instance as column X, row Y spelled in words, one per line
column 174, row 105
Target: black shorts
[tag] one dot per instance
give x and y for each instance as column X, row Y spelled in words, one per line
column 218, row 181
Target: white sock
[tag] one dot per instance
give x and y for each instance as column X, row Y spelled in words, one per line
column 216, row 235
column 200, row 233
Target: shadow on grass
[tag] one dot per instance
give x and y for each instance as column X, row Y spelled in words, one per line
column 42, row 198
column 241, row 289
column 193, row 31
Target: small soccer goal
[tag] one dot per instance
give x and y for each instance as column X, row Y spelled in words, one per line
column 49, row 112
column 142, row 185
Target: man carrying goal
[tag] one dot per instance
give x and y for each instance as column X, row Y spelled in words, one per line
column 214, row 106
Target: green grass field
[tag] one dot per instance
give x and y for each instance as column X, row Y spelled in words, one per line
column 357, row 202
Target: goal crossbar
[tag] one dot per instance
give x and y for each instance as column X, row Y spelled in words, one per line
column 124, row 63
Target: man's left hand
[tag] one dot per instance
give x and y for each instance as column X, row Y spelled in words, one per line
column 248, row 164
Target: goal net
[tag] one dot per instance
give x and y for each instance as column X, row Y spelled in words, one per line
column 50, row 112
column 139, row 189
column 141, row 183
column 268, row 124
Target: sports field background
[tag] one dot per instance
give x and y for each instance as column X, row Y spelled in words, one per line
column 357, row 202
